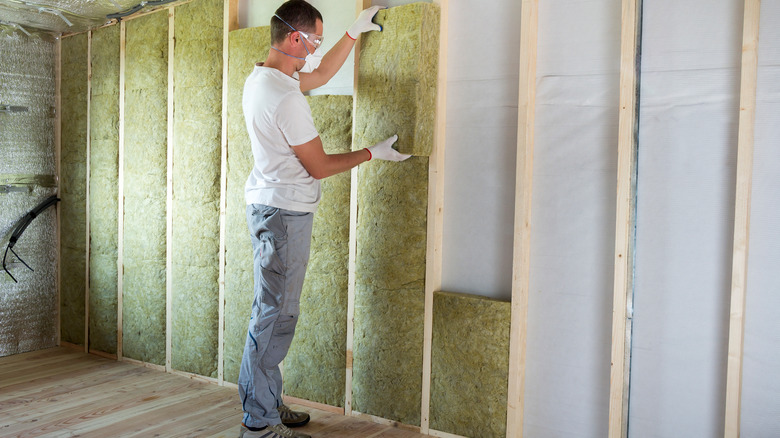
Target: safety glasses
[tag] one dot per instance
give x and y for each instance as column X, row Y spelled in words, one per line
column 314, row 39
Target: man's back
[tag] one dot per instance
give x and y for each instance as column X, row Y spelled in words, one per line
column 277, row 116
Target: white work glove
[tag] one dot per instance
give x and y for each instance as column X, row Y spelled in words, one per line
column 384, row 151
column 364, row 23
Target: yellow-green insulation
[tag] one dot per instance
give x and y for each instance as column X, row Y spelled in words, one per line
column 315, row 365
column 470, row 365
column 314, row 368
column 246, row 47
column 397, row 79
column 73, row 188
column 196, row 186
column 390, row 289
column 396, row 95
column 145, row 188
column 103, row 189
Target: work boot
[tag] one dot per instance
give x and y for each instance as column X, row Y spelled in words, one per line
column 275, row 431
column 292, row 418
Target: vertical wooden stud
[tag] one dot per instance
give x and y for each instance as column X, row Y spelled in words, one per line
column 353, row 212
column 169, row 200
column 625, row 221
column 522, row 228
column 230, row 22
column 433, row 263
column 121, row 191
column 86, row 189
column 231, row 15
column 747, row 113
column 58, row 174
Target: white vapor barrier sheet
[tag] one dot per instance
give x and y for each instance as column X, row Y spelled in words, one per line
column 760, row 415
column 481, row 132
column 573, row 220
column 28, row 309
column 685, row 217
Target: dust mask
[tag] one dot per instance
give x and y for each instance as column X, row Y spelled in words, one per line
column 312, row 61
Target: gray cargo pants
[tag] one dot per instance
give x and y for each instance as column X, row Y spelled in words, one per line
column 281, row 240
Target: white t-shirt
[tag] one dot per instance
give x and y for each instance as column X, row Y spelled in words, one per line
column 278, row 118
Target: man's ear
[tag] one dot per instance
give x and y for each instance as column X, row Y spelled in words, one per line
column 295, row 38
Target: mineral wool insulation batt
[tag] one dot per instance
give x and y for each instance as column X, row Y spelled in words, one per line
column 315, row 365
column 196, row 186
column 470, row 365
column 73, row 216
column 396, row 95
column 145, row 188
column 103, row 183
column 246, row 47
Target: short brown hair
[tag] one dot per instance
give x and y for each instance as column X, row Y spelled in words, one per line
column 298, row 14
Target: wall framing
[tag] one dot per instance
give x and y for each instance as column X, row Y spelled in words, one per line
column 86, row 190
column 121, row 191
column 622, row 306
column 360, row 5
column 57, row 174
column 747, row 115
column 230, row 22
column 526, row 106
column 169, row 200
column 433, row 261
column 628, row 126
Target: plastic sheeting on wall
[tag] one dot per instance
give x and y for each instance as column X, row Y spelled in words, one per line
column 761, row 367
column 28, row 309
column 481, row 132
column 685, row 212
column 573, row 220
column 62, row 15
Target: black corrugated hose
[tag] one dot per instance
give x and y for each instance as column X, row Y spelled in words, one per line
column 120, row 15
column 21, row 226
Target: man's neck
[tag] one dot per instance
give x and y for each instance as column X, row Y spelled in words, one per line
column 281, row 62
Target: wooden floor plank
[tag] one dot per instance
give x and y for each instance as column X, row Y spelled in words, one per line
column 53, row 384
column 184, row 416
column 47, row 399
column 33, row 355
column 16, row 368
column 233, row 419
column 78, row 406
column 65, row 392
column 139, row 404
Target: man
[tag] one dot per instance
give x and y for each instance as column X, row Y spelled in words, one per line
column 282, row 193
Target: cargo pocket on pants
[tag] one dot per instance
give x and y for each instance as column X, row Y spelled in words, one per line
column 281, row 338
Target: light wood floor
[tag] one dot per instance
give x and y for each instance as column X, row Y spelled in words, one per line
column 62, row 392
